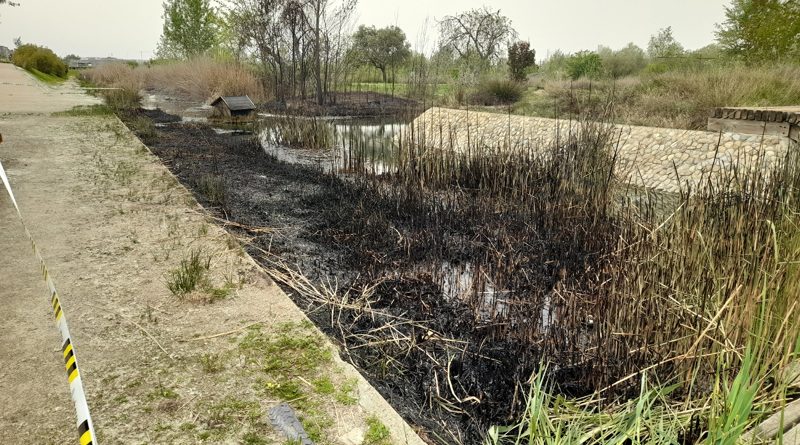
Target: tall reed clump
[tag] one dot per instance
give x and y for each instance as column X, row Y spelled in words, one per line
column 204, row 78
column 288, row 131
column 704, row 299
column 124, row 85
column 201, row 79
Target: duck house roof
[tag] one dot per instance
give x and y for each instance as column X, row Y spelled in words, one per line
column 235, row 103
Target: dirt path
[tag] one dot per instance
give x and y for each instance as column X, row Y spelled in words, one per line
column 112, row 224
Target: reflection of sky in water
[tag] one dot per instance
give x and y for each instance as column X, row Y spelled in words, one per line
column 357, row 145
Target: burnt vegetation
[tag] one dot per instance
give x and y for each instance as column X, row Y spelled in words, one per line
column 451, row 278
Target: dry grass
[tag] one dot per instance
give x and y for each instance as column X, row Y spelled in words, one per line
column 675, row 99
column 199, row 79
column 203, row 78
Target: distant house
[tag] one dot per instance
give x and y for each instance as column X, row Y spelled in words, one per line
column 233, row 106
column 5, row 53
column 80, row 64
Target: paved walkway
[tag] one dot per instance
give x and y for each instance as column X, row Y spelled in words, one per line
column 112, row 223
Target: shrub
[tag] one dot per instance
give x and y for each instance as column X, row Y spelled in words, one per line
column 497, row 92
column 624, row 62
column 144, row 128
column 122, row 99
column 32, row 57
column 126, row 81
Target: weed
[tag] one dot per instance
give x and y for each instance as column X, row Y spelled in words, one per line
column 212, row 363
column 232, row 411
column 143, row 127
column 162, row 392
column 121, row 172
column 212, row 187
column 316, row 423
column 219, row 293
column 190, row 275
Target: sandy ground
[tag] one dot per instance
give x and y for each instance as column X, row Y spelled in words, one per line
column 112, row 223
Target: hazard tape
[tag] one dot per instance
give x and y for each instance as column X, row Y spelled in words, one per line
column 86, row 433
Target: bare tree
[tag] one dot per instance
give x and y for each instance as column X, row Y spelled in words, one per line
column 294, row 40
column 259, row 23
column 483, row 32
column 294, row 20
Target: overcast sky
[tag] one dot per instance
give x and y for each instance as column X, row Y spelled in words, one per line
column 131, row 28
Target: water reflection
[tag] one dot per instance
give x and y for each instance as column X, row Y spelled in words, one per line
column 334, row 145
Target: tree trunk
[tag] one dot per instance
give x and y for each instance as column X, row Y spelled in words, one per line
column 318, row 53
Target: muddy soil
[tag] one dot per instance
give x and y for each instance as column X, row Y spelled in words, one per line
column 451, row 377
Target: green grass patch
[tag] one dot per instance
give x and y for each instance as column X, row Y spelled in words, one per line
column 324, row 386
column 85, row 110
column 346, row 394
column 316, row 423
column 377, row 433
column 295, row 349
column 46, row 78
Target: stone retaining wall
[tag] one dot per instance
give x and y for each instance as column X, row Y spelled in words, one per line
column 660, row 158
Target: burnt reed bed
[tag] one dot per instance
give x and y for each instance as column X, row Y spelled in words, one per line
column 453, row 278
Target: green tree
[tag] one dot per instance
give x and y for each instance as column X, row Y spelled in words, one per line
column 520, row 59
column 382, row 48
column 761, row 30
column 624, row 62
column 190, row 28
column 664, row 46
column 584, row 64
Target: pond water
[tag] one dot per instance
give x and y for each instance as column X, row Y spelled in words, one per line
column 343, row 145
